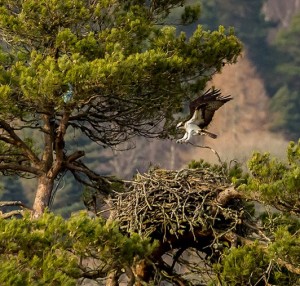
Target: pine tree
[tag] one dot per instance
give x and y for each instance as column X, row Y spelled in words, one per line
column 287, row 70
column 196, row 226
column 108, row 69
column 54, row 251
column 274, row 184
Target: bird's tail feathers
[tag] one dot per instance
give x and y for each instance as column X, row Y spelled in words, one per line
column 205, row 132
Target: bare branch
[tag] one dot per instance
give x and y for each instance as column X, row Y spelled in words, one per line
column 18, row 142
column 211, row 149
column 13, row 203
column 89, row 178
column 290, row 267
column 76, row 155
column 19, row 168
column 11, row 213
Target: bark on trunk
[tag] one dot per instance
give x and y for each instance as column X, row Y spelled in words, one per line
column 112, row 279
column 43, row 195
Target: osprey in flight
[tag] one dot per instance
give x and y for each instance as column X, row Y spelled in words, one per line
column 202, row 110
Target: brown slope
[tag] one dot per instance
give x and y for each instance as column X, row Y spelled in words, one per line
column 241, row 124
column 281, row 11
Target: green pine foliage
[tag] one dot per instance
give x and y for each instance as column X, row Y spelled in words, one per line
column 190, row 14
column 51, row 250
column 259, row 265
column 286, row 42
column 107, row 70
column 287, row 96
column 119, row 59
column 68, row 46
column 275, row 182
column 233, row 170
column 243, row 266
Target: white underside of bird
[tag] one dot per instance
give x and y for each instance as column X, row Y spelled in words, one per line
column 191, row 128
column 202, row 110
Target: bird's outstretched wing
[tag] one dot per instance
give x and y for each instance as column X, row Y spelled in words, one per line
column 207, row 104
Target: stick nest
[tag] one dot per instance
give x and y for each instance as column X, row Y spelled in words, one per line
column 161, row 203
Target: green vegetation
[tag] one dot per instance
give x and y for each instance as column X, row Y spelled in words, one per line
column 275, row 57
column 108, row 70
column 54, row 251
column 275, row 258
column 286, row 101
column 275, row 182
column 111, row 70
column 215, row 234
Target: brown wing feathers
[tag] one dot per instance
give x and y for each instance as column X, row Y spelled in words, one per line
column 208, row 103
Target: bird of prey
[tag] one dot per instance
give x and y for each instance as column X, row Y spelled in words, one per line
column 202, row 110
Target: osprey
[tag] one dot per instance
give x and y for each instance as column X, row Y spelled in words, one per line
column 202, row 110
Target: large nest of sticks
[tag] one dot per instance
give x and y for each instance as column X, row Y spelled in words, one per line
column 163, row 203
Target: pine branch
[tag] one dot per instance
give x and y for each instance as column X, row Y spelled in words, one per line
column 13, row 203
column 11, row 213
column 6, row 167
column 290, row 267
column 18, row 142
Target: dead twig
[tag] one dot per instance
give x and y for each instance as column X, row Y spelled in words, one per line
column 13, row 203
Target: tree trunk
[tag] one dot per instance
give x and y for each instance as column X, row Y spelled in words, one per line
column 112, row 279
column 43, row 195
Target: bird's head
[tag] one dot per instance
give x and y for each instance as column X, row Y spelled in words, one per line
column 180, row 125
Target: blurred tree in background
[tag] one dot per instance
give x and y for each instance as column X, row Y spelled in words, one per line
column 286, row 102
column 287, row 43
column 251, row 26
column 275, row 57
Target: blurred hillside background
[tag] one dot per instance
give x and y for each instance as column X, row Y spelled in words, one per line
column 264, row 115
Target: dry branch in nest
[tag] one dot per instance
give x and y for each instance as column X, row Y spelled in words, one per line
column 191, row 209
column 163, row 204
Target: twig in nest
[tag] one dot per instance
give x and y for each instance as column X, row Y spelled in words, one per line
column 171, row 203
